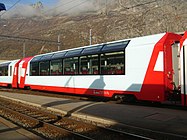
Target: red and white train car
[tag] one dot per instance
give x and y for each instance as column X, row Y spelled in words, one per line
column 7, row 72
column 142, row 68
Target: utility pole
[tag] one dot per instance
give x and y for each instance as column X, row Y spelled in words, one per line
column 23, row 49
column 58, row 42
column 90, row 37
column 106, row 3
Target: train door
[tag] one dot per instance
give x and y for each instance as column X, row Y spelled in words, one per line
column 176, row 65
column 22, row 71
column 183, row 61
column 15, row 75
column 171, row 65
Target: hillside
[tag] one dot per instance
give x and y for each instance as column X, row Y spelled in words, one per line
column 114, row 21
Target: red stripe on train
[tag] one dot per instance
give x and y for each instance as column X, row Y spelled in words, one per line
column 4, row 84
column 81, row 91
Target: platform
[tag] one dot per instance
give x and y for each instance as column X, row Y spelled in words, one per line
column 158, row 121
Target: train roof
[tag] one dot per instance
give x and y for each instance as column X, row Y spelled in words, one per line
column 8, row 62
column 99, row 48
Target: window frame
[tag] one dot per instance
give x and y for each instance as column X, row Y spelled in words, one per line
column 61, row 60
column 115, row 70
column 70, row 68
column 31, row 66
column 5, row 68
column 82, row 52
column 88, row 71
column 48, row 71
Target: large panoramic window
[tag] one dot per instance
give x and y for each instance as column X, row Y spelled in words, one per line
column 34, row 69
column 4, row 70
column 89, row 64
column 70, row 66
column 56, row 67
column 44, row 68
column 112, row 63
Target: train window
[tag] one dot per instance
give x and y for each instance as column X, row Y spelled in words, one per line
column 58, row 55
column 10, row 71
column 70, row 66
column 89, row 64
column 4, row 70
column 92, row 50
column 76, row 52
column 112, row 63
column 46, row 57
column 44, row 68
column 34, row 69
column 56, row 67
column 117, row 46
column 36, row 59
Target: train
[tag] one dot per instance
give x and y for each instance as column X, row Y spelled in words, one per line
column 148, row 68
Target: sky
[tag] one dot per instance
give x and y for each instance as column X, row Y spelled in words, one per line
column 9, row 3
column 23, row 8
column 16, row 7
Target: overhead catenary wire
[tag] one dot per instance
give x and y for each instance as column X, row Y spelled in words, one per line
column 127, row 8
column 63, row 12
column 61, row 5
column 141, row 4
column 58, row 7
column 75, row 6
column 72, row 8
column 25, row 39
column 11, row 7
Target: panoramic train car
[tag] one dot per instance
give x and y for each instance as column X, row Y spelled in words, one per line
column 148, row 68
column 138, row 68
column 7, row 72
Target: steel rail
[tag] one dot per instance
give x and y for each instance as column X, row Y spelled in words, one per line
column 41, row 123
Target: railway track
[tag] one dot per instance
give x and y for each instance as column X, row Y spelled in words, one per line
column 51, row 126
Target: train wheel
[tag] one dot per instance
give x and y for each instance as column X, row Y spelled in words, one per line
column 27, row 88
column 9, row 86
column 129, row 98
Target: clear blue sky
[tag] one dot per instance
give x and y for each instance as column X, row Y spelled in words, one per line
column 9, row 3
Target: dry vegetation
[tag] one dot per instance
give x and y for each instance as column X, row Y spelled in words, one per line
column 122, row 19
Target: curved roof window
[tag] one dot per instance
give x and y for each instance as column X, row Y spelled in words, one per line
column 117, row 46
column 5, row 64
column 92, row 50
column 36, row 59
column 46, row 57
column 58, row 55
column 76, row 52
